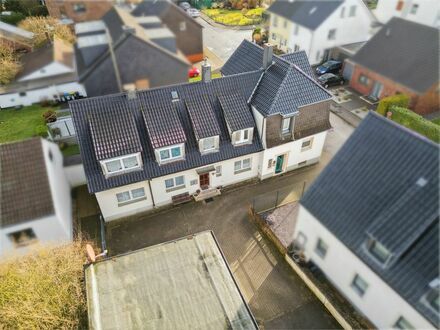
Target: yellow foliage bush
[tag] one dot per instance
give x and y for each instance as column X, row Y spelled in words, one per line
column 235, row 17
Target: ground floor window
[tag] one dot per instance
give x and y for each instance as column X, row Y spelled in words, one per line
column 23, row 237
column 321, row 248
column 363, row 79
column 359, row 285
column 130, row 196
column 175, row 183
column 218, row 170
column 402, row 323
column 307, row 144
column 242, row 165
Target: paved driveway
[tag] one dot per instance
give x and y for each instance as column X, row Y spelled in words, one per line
column 277, row 296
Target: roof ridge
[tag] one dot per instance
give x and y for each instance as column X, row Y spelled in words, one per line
column 310, row 78
column 280, row 87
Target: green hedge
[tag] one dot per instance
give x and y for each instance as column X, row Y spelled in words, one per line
column 400, row 100
column 416, row 123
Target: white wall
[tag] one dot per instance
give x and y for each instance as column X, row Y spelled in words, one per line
column 110, row 209
column 260, row 123
column 380, row 303
column 293, row 153
column 428, row 12
column 59, row 186
column 37, row 95
column 48, row 230
column 52, row 69
column 75, row 175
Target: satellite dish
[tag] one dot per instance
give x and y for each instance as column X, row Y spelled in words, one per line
column 90, row 253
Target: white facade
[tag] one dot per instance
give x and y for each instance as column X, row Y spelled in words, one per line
column 420, row 11
column 380, row 303
column 52, row 228
column 349, row 23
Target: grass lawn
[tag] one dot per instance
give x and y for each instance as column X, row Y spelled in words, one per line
column 436, row 121
column 235, row 16
column 21, row 124
column 73, row 149
column 214, row 76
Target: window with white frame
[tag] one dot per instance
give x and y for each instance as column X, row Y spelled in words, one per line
column 242, row 136
column 318, row 55
column 402, row 323
column 285, row 23
column 296, row 31
column 352, row 12
column 218, row 170
column 414, row 9
column 379, row 251
column 342, row 12
column 285, row 126
column 274, row 36
column 175, row 183
column 182, row 26
column 363, row 79
column 23, row 237
column 296, row 48
column 275, row 21
column 208, row 144
column 321, row 248
column 170, row 153
column 331, row 34
column 131, row 196
column 359, row 285
column 122, row 164
column 307, row 144
column 242, row 165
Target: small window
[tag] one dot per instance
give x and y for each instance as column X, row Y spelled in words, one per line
column 296, row 48
column 23, row 237
column 363, row 79
column 285, row 126
column 402, row 323
column 22, row 94
column 311, row 11
column 269, row 163
column 285, row 23
column 296, row 31
column 175, row 183
column 218, row 170
column 379, row 251
column 307, row 144
column 130, row 196
column 331, row 34
column 275, row 21
column 342, row 12
column 321, row 248
column 318, row 54
column 209, row 144
column 242, row 165
column 352, row 12
column 174, row 95
column 50, row 155
column 359, row 285
column 182, row 26
column 414, row 9
column 399, row 6
column 193, row 182
column 274, row 36
column 434, row 301
column 79, row 8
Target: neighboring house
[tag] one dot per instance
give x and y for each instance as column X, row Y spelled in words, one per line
column 188, row 32
column 48, row 73
column 78, row 11
column 402, row 58
column 142, row 58
column 318, row 26
column 147, row 149
column 18, row 39
column 370, row 222
column 35, row 203
column 420, row 11
column 180, row 284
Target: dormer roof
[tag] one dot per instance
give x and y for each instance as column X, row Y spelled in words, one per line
column 203, row 119
column 236, row 111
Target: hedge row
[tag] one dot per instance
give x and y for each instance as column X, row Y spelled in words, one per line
column 400, row 100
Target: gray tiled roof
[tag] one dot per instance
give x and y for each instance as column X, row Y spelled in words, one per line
column 300, row 59
column 113, row 129
column 236, row 111
column 24, row 190
column 202, row 116
column 308, row 13
column 383, row 184
column 409, row 54
column 243, row 84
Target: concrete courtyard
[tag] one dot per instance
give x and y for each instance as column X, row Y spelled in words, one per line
column 276, row 295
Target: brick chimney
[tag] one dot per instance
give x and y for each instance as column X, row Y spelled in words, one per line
column 206, row 71
column 267, row 55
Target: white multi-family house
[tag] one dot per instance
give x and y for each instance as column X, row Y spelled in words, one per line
column 318, row 26
column 35, row 202
column 370, row 222
column 47, row 74
column 146, row 149
column 420, row 11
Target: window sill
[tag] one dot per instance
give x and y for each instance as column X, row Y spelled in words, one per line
column 24, row 244
column 168, row 161
column 109, row 175
column 132, row 201
column 305, row 149
column 175, row 188
column 243, row 170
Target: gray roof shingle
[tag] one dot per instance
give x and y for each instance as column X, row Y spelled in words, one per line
column 300, row 59
column 236, row 111
column 308, row 13
column 409, row 54
column 383, row 184
column 202, row 116
column 24, row 190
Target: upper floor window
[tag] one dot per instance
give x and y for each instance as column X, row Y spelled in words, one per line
column 359, row 285
column 399, row 5
column 79, row 7
column 170, row 153
column 242, row 136
column 285, row 23
column 342, row 12
column 275, row 21
column 352, row 11
column 414, row 8
column 402, row 323
column 182, row 26
column 122, row 164
column 321, row 248
column 296, row 31
column 331, row 34
column 23, row 237
column 274, row 36
column 130, row 196
column 209, row 144
column 295, row 48
column 379, row 251
column 285, row 126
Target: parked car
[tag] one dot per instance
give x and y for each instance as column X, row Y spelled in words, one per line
column 193, row 72
column 184, row 5
column 329, row 67
column 330, row 79
column 193, row 12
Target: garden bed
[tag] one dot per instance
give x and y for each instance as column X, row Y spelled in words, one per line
column 235, row 17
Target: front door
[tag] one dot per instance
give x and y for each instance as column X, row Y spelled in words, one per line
column 377, row 89
column 279, row 164
column 204, row 180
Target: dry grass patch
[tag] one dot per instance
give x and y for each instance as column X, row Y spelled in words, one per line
column 44, row 289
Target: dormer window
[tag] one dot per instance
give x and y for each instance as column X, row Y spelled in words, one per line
column 379, row 251
column 432, row 298
column 243, row 136
column 285, row 126
column 121, row 165
column 171, row 153
column 209, row 144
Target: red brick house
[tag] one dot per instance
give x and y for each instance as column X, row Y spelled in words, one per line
column 402, row 58
column 78, row 10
